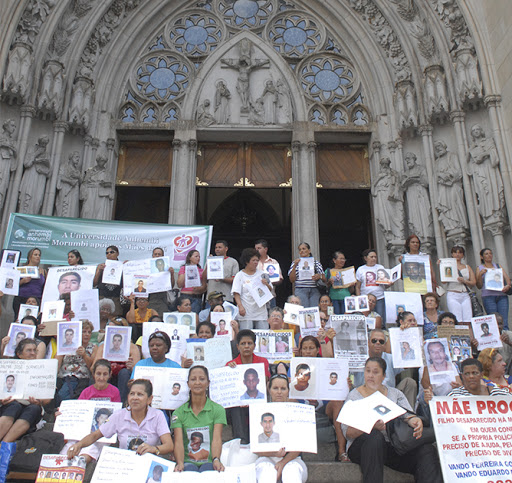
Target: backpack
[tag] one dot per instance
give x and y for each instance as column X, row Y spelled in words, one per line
column 31, row 447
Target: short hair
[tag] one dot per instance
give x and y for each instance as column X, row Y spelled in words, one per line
column 431, row 294
column 485, row 324
column 447, row 315
column 69, row 330
column 102, row 363
column 158, row 248
column 250, row 371
column 291, row 296
column 113, row 248
column 101, row 412
column 302, row 366
column 224, row 242
column 108, row 303
column 207, row 324
column 197, row 434
column 458, row 248
column 74, row 274
column 117, row 335
column 380, row 331
column 247, row 254
column 310, row 338
column 333, row 374
column 159, row 334
column 276, row 309
column 262, row 242
column 181, row 299
column 407, row 245
column 368, row 251
column 487, row 357
column 148, row 387
column 267, row 415
column 10, row 375
column 19, row 348
column 245, row 333
column 86, row 324
column 471, row 362
column 176, row 384
column 31, row 318
column 379, row 360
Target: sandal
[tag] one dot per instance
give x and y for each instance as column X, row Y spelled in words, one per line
column 342, row 458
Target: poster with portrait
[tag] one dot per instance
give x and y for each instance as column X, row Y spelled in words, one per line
column 56, row 468
column 319, row 378
column 291, row 313
column 112, row 272
column 170, row 388
column 309, row 321
column 63, row 280
column 439, row 361
column 9, row 281
column 10, row 258
column 406, row 347
column 336, row 275
column 181, row 318
column 274, row 345
column 85, row 305
column 32, row 378
column 79, row 418
column 27, row 310
column 459, row 341
column 273, row 426
column 356, row 304
column 486, row 332
column 117, row 343
column 192, row 277
column 140, row 285
column 215, row 268
column 260, row 292
column 383, row 276
column 69, row 337
column 177, row 333
column 211, row 353
column 397, row 302
column 159, row 265
column 448, row 269
column 273, row 270
column 416, row 273
column 53, row 311
column 131, row 270
column 18, row 332
column 351, row 341
column 493, row 279
column 306, row 268
column 222, row 323
column 27, row 271
column 238, row 386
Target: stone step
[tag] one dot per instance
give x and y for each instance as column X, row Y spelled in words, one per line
column 319, row 472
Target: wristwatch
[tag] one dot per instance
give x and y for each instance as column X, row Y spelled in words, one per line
column 216, row 458
column 157, row 451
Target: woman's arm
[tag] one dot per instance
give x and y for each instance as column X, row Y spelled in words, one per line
column 179, row 449
column 59, row 362
column 472, row 280
column 204, row 281
column 165, row 447
column 507, row 280
column 171, row 270
column 130, row 316
column 216, row 448
column 74, row 450
column 5, row 341
column 480, row 277
column 41, row 350
column 238, row 302
column 358, row 288
column 98, row 274
column 293, row 274
column 181, row 280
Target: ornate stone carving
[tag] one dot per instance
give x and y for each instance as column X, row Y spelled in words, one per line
column 8, row 153
column 469, row 85
column 67, row 201
column 17, row 79
column 222, row 98
column 284, row 103
column 450, row 194
column 204, row 117
column 52, row 87
column 269, row 97
column 96, row 191
column 257, row 112
column 405, row 100
column 452, row 17
column 415, row 185
column 33, row 182
column 33, row 17
column 436, row 95
column 82, row 99
column 389, row 202
column 483, row 167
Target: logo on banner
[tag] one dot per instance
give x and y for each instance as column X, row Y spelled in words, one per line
column 182, row 245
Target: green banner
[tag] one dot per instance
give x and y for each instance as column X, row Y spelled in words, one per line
column 55, row 237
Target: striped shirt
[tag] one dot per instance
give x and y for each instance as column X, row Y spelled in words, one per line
column 306, row 283
column 462, row 391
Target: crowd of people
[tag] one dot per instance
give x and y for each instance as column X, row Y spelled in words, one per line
column 87, row 374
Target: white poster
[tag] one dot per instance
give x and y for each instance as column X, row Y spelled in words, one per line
column 181, row 318
column 9, row 281
column 351, row 341
column 215, row 268
column 53, row 466
column 159, row 282
column 177, row 333
column 273, row 271
column 10, row 259
column 291, row 313
column 211, row 353
column 159, row 265
column 32, row 378
column 439, row 364
column 348, row 276
column 238, row 386
column 274, row 345
column 222, row 323
column 309, row 321
column 28, row 271
column 192, row 278
column 170, row 388
column 117, row 343
column 356, row 304
column 28, row 310
column 306, row 268
column 62, row 280
column 486, row 332
column 406, row 347
column 85, row 305
column 273, row 426
column 18, row 332
column 112, row 272
column 69, row 337
column 417, row 275
column 493, row 279
column 260, row 292
column 140, row 285
column 319, row 378
column 397, row 302
column 448, row 269
column 53, row 310
column 131, row 269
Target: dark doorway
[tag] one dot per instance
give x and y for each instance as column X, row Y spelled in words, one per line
column 241, row 216
column 138, row 203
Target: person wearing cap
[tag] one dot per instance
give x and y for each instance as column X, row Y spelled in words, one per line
column 230, row 268
column 217, row 298
column 159, row 345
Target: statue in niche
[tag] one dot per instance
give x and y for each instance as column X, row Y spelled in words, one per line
column 450, row 195
column 222, row 97
column 483, row 168
column 244, row 65
column 67, row 200
column 33, row 182
column 415, row 185
column 389, row 202
column 284, row 104
column 204, row 117
column 8, row 154
column 96, row 191
column 257, row 112
column 269, row 97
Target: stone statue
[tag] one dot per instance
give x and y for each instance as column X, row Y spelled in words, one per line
column 483, row 168
column 222, row 98
column 96, row 191
column 415, row 185
column 257, row 112
column 33, row 182
column 244, row 65
column 388, row 203
column 204, row 118
column 450, row 195
column 284, row 104
column 67, row 200
column 8, row 154
column 269, row 97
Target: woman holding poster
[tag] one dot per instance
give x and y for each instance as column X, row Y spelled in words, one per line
column 30, row 287
column 195, row 293
column 338, row 294
column 306, row 290
column 281, row 465
column 494, row 369
column 198, row 427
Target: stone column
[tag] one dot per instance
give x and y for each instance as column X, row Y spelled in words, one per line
column 86, row 154
column 95, row 144
column 59, row 129
column 304, row 197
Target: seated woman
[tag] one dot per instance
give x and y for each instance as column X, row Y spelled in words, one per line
column 159, row 345
column 41, row 346
column 140, row 419
column 370, row 313
column 184, row 305
column 197, row 420
column 494, row 370
column 137, row 316
column 471, row 372
column 430, row 315
column 107, row 316
column 373, row 451
column 281, row 465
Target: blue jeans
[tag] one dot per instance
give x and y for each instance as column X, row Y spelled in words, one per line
column 68, row 388
column 198, row 469
column 309, row 296
column 339, row 306
column 497, row 303
column 196, row 303
column 123, row 377
column 380, row 308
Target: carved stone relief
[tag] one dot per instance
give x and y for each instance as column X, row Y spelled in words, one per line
column 8, row 153
column 81, row 102
column 469, row 85
column 68, row 186
column 436, row 95
column 52, row 87
column 222, row 101
column 204, row 117
column 405, row 101
column 96, row 191
column 17, row 76
column 32, row 19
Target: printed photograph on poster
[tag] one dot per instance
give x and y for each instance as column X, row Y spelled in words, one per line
column 32, row 377
column 351, row 340
column 274, row 345
column 291, row 313
column 178, row 345
column 397, row 302
column 493, row 279
column 9, row 281
column 85, row 305
column 448, row 269
column 112, row 272
column 260, row 292
column 192, row 278
column 139, row 285
column 336, row 276
column 348, row 276
column 486, row 332
column 309, row 321
column 356, row 304
column 282, row 425
column 10, row 258
column 273, row 271
column 306, row 268
column 416, row 272
column 370, row 323
column 406, row 347
column 67, row 470
column 181, row 318
column 131, row 269
column 53, row 311
column 27, row 310
column 396, row 273
column 28, row 271
column 117, row 343
column 62, row 280
column 383, row 276
column 215, row 268
column 18, row 332
column 159, row 265
column 439, row 363
column 222, row 323
column 69, row 337
column 211, row 353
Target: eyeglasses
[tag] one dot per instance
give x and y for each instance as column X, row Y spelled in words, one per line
column 325, row 319
column 110, row 252
column 378, row 341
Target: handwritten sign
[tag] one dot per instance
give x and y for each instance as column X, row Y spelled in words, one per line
column 211, row 353
column 32, row 378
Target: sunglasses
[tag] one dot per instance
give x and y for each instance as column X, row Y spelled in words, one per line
column 110, row 252
column 278, row 376
column 378, row 341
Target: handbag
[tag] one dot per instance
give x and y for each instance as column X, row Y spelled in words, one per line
column 476, row 307
column 509, row 291
column 401, row 436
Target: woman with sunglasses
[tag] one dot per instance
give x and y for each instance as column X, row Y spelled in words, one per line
column 281, row 465
column 107, row 290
